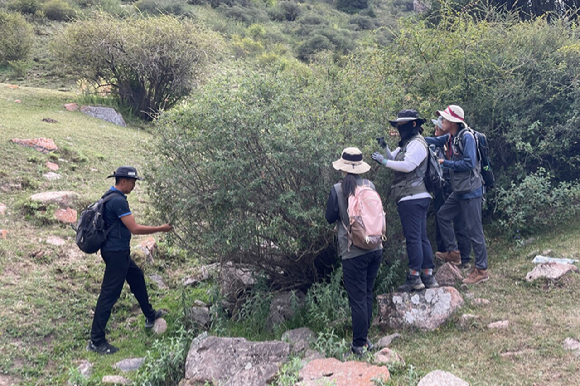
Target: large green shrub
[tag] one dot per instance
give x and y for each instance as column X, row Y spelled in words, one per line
column 161, row 7
column 150, row 63
column 244, row 169
column 59, row 10
column 16, row 37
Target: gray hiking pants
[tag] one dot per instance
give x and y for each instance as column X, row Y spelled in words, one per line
column 470, row 210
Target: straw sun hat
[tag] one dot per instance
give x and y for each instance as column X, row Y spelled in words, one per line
column 351, row 161
column 453, row 113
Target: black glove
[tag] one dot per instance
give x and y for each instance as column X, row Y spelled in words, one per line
column 381, row 142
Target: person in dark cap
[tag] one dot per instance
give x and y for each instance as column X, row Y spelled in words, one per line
column 409, row 163
column 119, row 267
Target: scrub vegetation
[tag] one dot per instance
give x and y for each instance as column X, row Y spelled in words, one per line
column 251, row 101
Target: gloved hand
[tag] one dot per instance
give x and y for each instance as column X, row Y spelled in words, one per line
column 381, row 142
column 378, row 157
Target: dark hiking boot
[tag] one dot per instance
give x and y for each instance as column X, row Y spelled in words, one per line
column 453, row 257
column 149, row 322
column 429, row 281
column 103, row 348
column 369, row 345
column 357, row 351
column 413, row 283
column 476, row 276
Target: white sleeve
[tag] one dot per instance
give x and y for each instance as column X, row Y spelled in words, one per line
column 415, row 154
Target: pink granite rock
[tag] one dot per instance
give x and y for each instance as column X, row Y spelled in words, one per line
column 332, row 371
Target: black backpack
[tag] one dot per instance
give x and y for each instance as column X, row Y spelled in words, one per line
column 483, row 155
column 434, row 180
column 91, row 232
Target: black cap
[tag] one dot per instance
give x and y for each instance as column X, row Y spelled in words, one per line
column 407, row 116
column 125, row 172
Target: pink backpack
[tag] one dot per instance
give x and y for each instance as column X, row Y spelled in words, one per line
column 367, row 226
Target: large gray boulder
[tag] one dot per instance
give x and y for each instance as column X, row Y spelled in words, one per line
column 233, row 361
column 552, row 271
column 63, row 199
column 108, row 114
column 426, row 310
column 299, row 338
column 234, row 280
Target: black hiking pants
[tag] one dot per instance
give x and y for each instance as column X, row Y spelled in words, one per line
column 119, row 267
column 359, row 279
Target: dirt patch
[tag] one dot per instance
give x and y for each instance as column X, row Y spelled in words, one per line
column 5, row 380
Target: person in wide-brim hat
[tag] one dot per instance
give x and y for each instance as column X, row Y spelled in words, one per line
column 453, row 113
column 125, row 172
column 351, row 161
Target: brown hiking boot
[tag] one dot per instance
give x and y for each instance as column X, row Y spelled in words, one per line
column 453, row 257
column 476, row 276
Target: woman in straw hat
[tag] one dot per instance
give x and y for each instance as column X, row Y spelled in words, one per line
column 359, row 266
column 409, row 163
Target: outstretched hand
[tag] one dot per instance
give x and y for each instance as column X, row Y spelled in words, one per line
column 381, row 142
column 379, row 158
column 166, row 228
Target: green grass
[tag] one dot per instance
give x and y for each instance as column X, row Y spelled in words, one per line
column 47, row 293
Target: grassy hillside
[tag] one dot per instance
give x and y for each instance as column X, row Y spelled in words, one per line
column 47, row 292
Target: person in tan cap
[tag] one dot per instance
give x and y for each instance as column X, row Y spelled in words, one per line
column 360, row 266
column 467, row 193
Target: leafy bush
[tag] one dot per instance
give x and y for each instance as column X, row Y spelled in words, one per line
column 315, row 44
column 151, row 63
column 28, row 7
column 537, row 203
column 165, row 362
column 161, row 7
column 16, row 37
column 285, row 11
column 351, row 6
column 363, row 22
column 254, row 155
column 313, row 20
column 59, row 10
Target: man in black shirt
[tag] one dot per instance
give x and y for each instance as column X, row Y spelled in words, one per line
column 116, row 251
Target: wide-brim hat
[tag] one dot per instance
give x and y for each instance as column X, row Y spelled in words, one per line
column 453, row 113
column 405, row 116
column 125, row 172
column 351, row 161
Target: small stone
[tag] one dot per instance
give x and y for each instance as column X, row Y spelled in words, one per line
column 49, row 120
column 199, row 303
column 3, row 208
column 480, row 302
column 467, row 319
column 116, row 379
column 12, row 86
column 17, row 101
column 440, row 378
column 448, row 274
column 547, row 252
column 3, row 233
column 71, row 106
column 158, row 280
column 94, row 170
column 67, row 216
column 43, row 145
column 105, row 113
column 200, row 316
column 509, row 354
column 52, row 176
column 129, row 364
column 501, row 325
column 299, row 338
column 148, row 248
column 311, row 355
column 160, row 326
column 85, row 368
column 533, row 253
column 53, row 240
column 387, row 356
column 528, row 241
column 551, row 270
column 52, row 166
column 572, row 345
column 386, row 341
